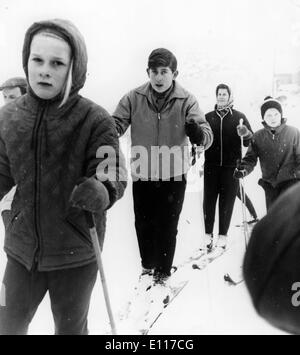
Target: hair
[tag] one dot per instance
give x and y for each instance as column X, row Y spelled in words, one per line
column 69, row 80
column 68, row 85
column 223, row 86
column 162, row 57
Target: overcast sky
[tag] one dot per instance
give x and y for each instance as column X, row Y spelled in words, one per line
column 241, row 42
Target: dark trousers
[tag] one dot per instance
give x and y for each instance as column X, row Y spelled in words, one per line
column 272, row 193
column 70, row 292
column 219, row 182
column 157, row 208
column 248, row 203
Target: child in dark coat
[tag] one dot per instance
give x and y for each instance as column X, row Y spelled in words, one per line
column 50, row 147
column 277, row 146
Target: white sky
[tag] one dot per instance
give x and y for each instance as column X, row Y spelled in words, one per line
column 232, row 41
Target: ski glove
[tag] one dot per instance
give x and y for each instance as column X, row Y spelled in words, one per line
column 194, row 131
column 239, row 174
column 239, row 171
column 90, row 195
column 243, row 131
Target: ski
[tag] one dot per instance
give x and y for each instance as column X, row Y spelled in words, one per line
column 157, row 307
column 148, row 303
column 208, row 258
column 231, row 281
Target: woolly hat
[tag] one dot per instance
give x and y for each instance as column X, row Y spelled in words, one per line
column 14, row 82
column 268, row 103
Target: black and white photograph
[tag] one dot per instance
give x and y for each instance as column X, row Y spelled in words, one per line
column 150, row 169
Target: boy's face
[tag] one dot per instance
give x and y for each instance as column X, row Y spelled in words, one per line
column 272, row 118
column 222, row 97
column 10, row 94
column 48, row 65
column 161, row 78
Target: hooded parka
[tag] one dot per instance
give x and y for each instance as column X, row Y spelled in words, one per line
column 45, row 150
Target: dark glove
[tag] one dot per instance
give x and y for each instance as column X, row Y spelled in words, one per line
column 239, row 174
column 239, row 171
column 194, row 131
column 242, row 131
column 90, row 195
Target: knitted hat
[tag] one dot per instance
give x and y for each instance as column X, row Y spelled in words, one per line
column 268, row 103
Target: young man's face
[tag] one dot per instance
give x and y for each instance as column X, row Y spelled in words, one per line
column 272, row 118
column 161, row 78
column 48, row 65
column 222, row 97
column 10, row 94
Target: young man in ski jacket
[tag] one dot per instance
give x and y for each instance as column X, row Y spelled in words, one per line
column 277, row 146
column 51, row 142
column 162, row 116
column 220, row 162
column 12, row 89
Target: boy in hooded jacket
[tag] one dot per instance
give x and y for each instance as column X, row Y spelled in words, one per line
column 162, row 116
column 50, row 147
column 277, row 146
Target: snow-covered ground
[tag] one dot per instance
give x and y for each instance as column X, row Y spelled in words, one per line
column 206, row 306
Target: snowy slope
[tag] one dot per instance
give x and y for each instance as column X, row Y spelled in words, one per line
column 206, row 306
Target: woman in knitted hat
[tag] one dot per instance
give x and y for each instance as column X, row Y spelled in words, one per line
column 277, row 146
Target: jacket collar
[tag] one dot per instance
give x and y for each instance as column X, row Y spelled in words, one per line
column 276, row 130
column 32, row 103
column 177, row 93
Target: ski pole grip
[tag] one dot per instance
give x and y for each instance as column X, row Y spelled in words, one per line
column 241, row 122
column 90, row 219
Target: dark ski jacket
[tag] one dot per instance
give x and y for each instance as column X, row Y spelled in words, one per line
column 278, row 153
column 150, row 129
column 45, row 150
column 226, row 147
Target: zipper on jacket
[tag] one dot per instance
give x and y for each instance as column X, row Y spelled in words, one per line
column 221, row 136
column 37, row 155
column 158, row 133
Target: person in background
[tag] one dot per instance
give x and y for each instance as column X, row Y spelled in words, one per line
column 163, row 115
column 220, row 163
column 277, row 146
column 13, row 88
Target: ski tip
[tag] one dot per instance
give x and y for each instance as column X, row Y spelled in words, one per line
column 196, row 267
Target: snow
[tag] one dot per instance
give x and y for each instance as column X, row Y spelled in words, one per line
column 215, row 42
column 206, row 306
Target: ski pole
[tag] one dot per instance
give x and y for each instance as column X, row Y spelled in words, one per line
column 94, row 236
column 243, row 194
column 206, row 261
